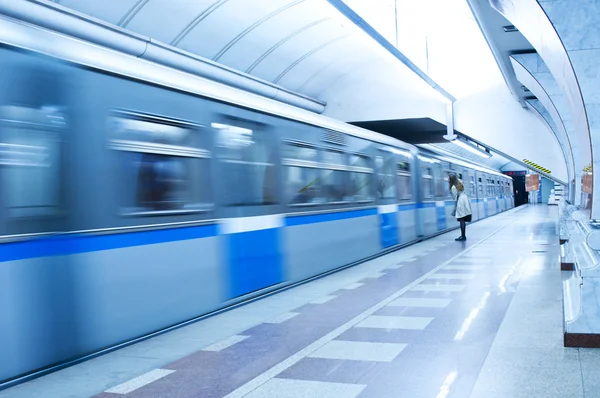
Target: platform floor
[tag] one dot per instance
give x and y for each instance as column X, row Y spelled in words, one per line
column 439, row 319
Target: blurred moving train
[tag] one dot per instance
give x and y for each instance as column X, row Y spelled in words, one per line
column 135, row 197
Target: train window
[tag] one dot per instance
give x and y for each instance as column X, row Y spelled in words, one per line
column 30, row 160
column 427, row 182
column 335, row 173
column 447, row 192
column 472, row 185
column 301, row 173
column 162, row 166
column 248, row 158
column 404, row 187
column 385, row 176
column 361, row 178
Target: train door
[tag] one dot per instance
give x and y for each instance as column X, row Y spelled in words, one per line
column 448, row 198
column 471, row 188
column 406, row 175
column 481, row 194
column 385, row 165
column 427, row 210
column 252, row 223
column 440, row 196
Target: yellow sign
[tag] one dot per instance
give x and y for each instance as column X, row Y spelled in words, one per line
column 537, row 166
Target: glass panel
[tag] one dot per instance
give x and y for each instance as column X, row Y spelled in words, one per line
column 248, row 159
column 303, row 185
column 427, row 188
column 30, row 160
column 334, row 185
column 294, row 151
column 161, row 165
column 360, row 161
column 404, row 167
column 404, row 187
column 385, row 177
column 361, row 186
column 333, row 158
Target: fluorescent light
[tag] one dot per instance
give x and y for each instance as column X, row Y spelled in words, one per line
column 472, row 148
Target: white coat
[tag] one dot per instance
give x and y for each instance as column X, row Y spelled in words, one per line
column 462, row 203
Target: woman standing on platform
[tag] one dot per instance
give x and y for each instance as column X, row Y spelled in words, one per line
column 462, row 205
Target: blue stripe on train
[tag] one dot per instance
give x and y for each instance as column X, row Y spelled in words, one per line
column 74, row 244
column 388, row 225
column 403, row 207
column 317, row 218
column 254, row 260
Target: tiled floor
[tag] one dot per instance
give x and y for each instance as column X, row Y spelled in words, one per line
column 439, row 319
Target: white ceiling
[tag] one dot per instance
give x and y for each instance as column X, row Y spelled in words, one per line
column 306, row 46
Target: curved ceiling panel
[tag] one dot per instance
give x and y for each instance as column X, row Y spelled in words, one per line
column 150, row 19
column 307, row 46
column 111, row 11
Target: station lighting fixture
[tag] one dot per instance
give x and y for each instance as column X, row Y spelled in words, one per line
column 472, row 147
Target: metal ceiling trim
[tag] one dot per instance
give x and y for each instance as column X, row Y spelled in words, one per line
column 283, row 41
column 308, row 54
column 196, row 21
column 349, row 13
column 325, row 67
column 254, row 26
column 132, row 12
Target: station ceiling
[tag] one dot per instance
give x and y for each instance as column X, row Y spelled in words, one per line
column 306, row 46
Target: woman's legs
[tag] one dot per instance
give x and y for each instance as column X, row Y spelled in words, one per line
column 463, row 227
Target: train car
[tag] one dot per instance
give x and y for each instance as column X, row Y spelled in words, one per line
column 135, row 198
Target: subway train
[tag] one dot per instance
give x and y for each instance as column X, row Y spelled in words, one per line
column 136, row 198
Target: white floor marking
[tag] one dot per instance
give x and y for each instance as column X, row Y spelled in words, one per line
column 409, row 260
column 353, row 286
column 289, row 388
column 283, row 317
column 376, row 275
column 359, row 351
column 295, row 358
column 420, row 302
column 441, row 275
column 223, row 344
column 395, row 322
column 323, row 300
column 463, row 267
column 438, row 287
column 396, row 266
column 140, row 381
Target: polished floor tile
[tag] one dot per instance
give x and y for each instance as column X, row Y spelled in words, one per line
column 420, row 302
column 395, row 322
column 323, row 300
column 286, row 388
column 224, row 344
column 283, row 317
column 441, row 275
column 359, row 351
column 424, row 287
